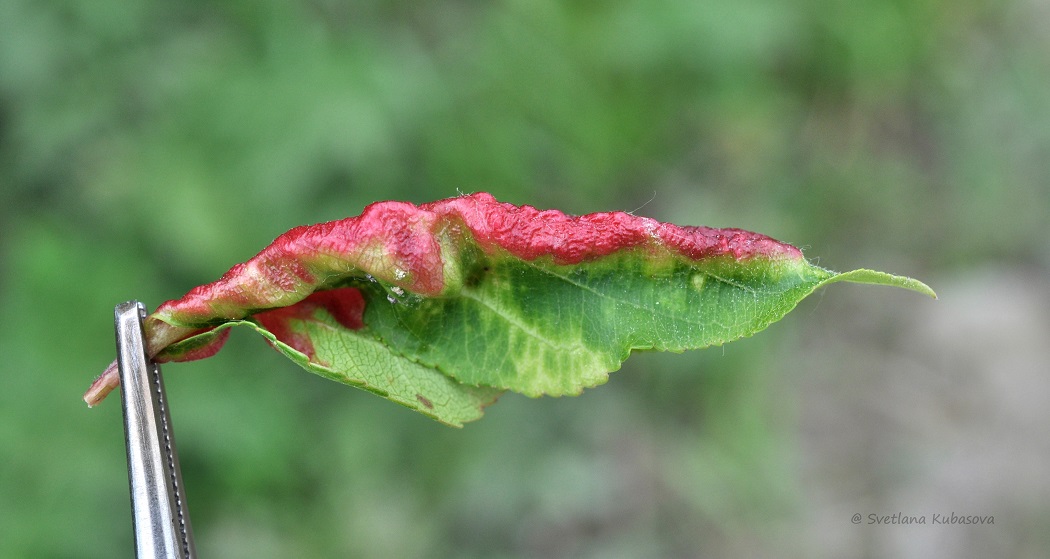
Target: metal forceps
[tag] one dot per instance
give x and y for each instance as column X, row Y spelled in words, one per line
column 158, row 503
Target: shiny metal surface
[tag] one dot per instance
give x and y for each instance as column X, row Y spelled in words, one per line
column 158, row 505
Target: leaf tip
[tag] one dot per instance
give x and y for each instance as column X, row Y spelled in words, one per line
column 874, row 277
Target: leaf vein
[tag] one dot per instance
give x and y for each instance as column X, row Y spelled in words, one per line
column 510, row 320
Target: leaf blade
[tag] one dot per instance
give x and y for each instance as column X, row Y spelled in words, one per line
column 443, row 306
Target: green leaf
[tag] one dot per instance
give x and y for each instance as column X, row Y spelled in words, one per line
column 442, row 307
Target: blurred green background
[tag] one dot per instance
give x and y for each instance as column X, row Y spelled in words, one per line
column 145, row 147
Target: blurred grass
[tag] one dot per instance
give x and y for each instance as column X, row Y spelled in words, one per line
column 145, row 148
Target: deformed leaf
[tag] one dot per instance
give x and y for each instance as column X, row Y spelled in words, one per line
column 443, row 306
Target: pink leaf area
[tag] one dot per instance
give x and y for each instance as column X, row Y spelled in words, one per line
column 529, row 233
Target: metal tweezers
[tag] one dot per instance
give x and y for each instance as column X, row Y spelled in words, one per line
column 158, row 503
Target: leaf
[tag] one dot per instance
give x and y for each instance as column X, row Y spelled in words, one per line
column 443, row 306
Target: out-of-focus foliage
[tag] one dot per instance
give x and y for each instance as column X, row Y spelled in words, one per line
column 145, row 147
